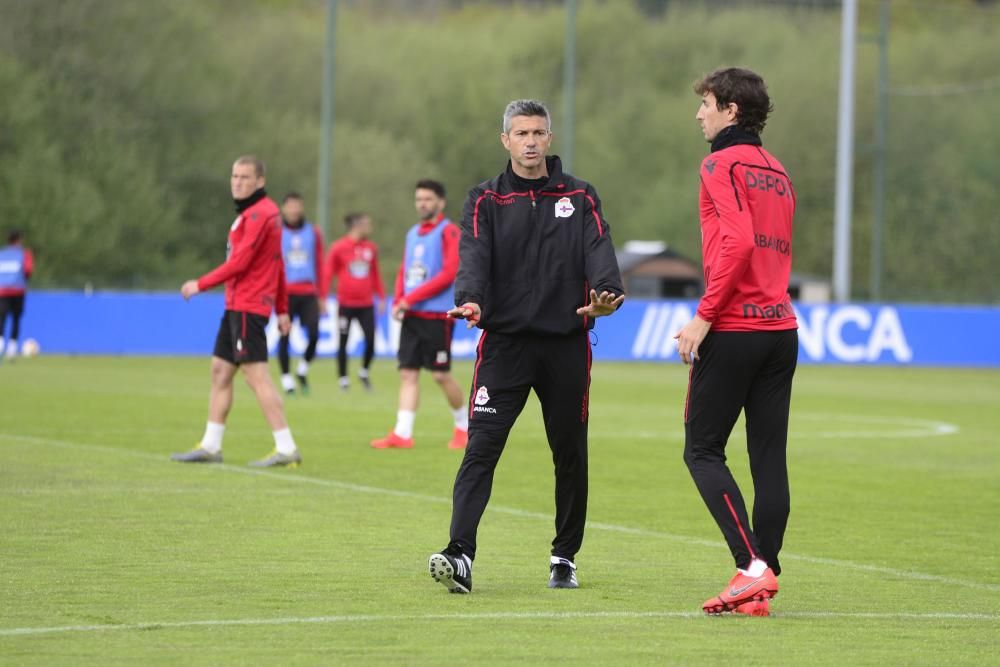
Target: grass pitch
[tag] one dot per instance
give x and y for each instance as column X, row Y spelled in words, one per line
column 111, row 554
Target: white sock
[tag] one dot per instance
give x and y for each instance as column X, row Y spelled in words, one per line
column 287, row 383
column 11, row 349
column 303, row 368
column 344, row 381
column 363, row 373
column 757, row 567
column 212, row 440
column 461, row 416
column 283, row 441
column 404, row 423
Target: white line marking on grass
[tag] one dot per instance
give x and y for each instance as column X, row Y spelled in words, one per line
column 484, row 616
column 910, row 428
column 527, row 514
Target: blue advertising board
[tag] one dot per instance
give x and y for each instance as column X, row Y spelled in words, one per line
column 128, row 323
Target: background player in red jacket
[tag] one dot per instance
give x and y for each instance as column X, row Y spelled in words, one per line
column 425, row 292
column 353, row 263
column 254, row 275
column 302, row 252
column 742, row 343
column 16, row 265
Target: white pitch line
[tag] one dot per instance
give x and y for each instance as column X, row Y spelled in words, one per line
column 513, row 511
column 483, row 616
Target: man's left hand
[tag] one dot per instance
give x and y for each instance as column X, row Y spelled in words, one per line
column 690, row 337
column 603, row 304
column 399, row 308
column 284, row 324
column 189, row 289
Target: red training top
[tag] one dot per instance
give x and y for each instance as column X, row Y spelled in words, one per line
column 439, row 281
column 747, row 204
column 254, row 272
column 27, row 267
column 354, row 264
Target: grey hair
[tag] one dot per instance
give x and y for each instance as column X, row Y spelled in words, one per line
column 525, row 108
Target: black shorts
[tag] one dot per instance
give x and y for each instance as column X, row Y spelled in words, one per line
column 242, row 338
column 13, row 305
column 425, row 343
column 306, row 308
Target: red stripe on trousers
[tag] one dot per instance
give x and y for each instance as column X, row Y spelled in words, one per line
column 739, row 525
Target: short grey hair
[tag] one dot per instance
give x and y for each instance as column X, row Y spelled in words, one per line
column 525, row 108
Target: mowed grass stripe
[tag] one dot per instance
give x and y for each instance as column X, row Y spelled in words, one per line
column 593, row 525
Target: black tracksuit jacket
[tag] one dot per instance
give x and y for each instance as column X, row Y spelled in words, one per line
column 529, row 257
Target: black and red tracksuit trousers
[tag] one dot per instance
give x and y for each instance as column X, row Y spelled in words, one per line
column 508, row 367
column 749, row 371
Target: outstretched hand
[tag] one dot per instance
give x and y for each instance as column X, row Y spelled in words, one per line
column 470, row 312
column 189, row 289
column 603, row 304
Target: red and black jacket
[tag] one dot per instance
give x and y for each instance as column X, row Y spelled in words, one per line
column 529, row 256
column 746, row 204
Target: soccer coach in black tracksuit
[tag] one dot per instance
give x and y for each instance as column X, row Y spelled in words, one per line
column 536, row 266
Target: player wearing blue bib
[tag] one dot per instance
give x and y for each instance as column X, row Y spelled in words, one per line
column 16, row 265
column 425, row 291
column 302, row 251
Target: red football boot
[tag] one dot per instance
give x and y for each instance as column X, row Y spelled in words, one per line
column 459, row 439
column 754, row 608
column 392, row 441
column 742, row 589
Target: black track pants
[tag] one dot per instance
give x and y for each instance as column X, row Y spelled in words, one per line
column 507, row 368
column 749, row 371
column 366, row 318
column 306, row 308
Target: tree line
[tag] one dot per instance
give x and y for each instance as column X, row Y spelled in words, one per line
column 119, row 122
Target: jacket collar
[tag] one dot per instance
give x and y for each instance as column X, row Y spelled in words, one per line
column 244, row 204
column 733, row 136
column 553, row 165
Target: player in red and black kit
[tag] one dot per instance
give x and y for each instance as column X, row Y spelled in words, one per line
column 302, row 251
column 537, row 266
column 742, row 344
column 254, row 275
column 353, row 263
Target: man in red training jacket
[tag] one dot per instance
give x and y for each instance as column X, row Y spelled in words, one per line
column 353, row 263
column 254, row 276
column 742, row 344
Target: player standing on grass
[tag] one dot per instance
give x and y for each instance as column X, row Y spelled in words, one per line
column 302, row 251
column 537, row 266
column 742, row 344
column 16, row 265
column 254, row 275
column 425, row 288
column 353, row 263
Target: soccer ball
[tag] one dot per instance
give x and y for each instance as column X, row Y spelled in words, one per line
column 30, row 348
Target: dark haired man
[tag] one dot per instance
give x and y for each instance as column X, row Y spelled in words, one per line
column 254, row 276
column 425, row 288
column 537, row 266
column 302, row 252
column 742, row 344
column 353, row 263
column 16, row 266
